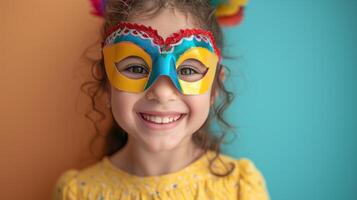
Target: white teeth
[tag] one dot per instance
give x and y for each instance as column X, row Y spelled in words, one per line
column 160, row 120
column 165, row 120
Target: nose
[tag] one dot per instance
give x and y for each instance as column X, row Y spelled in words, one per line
column 163, row 90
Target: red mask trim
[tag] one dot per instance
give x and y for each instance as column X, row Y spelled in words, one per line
column 172, row 39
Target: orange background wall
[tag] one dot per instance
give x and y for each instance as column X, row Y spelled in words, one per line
column 42, row 124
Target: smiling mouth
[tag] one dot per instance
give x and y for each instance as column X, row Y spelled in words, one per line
column 168, row 119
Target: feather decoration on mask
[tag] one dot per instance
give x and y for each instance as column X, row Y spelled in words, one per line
column 98, row 7
column 229, row 12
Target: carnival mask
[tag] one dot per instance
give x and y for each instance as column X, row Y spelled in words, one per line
column 189, row 58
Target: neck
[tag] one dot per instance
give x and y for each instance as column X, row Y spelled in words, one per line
column 141, row 162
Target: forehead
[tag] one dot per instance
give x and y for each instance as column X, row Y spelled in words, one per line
column 166, row 21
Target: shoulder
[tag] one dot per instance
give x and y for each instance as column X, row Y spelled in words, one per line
column 252, row 184
column 66, row 186
column 250, row 180
column 70, row 182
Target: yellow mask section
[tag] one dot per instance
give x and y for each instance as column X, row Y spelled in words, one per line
column 116, row 53
column 209, row 60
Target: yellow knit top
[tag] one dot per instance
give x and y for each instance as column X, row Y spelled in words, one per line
column 104, row 181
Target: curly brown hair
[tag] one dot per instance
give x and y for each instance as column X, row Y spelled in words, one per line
column 120, row 10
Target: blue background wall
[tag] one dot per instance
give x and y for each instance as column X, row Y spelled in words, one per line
column 295, row 109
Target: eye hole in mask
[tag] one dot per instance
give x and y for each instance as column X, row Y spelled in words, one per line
column 191, row 70
column 133, row 67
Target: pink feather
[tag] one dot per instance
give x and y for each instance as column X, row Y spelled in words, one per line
column 98, row 7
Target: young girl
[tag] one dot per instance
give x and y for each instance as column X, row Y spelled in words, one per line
column 162, row 73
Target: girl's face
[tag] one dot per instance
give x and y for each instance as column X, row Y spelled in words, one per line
column 160, row 118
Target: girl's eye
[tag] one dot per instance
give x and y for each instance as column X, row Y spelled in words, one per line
column 187, row 71
column 135, row 71
column 190, row 74
column 133, row 67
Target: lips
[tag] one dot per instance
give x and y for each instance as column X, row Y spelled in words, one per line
column 156, row 113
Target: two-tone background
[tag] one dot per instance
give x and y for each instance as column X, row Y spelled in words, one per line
column 294, row 77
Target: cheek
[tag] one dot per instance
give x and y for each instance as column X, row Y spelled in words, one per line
column 199, row 107
column 122, row 108
column 120, row 101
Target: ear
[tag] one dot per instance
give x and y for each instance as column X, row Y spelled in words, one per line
column 215, row 91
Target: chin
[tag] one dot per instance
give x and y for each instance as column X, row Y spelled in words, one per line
column 162, row 144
